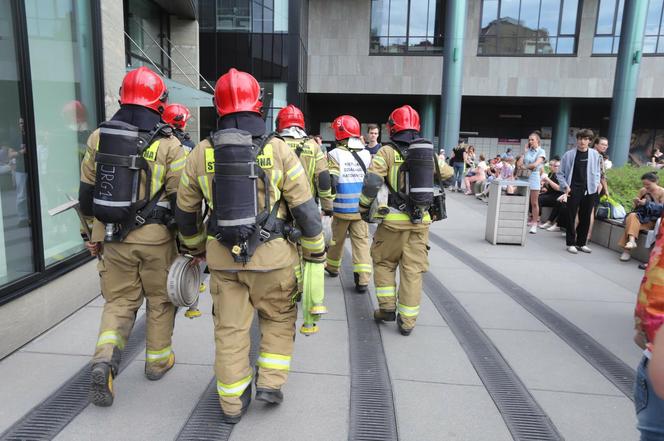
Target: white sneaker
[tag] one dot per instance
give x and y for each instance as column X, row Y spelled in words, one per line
column 625, row 256
column 533, row 229
column 586, row 249
column 572, row 250
column 545, row 225
column 554, row 228
column 564, row 234
column 630, row 245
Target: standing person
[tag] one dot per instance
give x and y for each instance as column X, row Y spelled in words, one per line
column 533, row 161
column 401, row 240
column 601, row 145
column 649, row 316
column 18, row 152
column 348, row 164
column 459, row 163
column 579, row 180
column 137, row 245
column 372, row 134
column 177, row 115
column 290, row 126
column 251, row 263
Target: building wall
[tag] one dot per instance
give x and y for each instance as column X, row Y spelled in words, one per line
column 339, row 62
column 113, row 43
column 185, row 39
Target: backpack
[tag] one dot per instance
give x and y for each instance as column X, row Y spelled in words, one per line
column 121, row 160
column 236, row 220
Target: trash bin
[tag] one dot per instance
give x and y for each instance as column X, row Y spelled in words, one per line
column 507, row 218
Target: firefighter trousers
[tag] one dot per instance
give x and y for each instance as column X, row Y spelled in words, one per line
column 235, row 296
column 359, row 239
column 130, row 272
column 407, row 250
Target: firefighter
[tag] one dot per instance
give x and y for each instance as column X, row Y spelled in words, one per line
column 132, row 157
column 251, row 259
column 408, row 167
column 348, row 163
column 290, row 126
column 177, row 115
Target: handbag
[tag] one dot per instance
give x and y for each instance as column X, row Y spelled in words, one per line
column 523, row 172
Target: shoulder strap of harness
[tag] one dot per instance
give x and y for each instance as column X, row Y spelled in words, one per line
column 359, row 160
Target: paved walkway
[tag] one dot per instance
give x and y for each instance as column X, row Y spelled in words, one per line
column 437, row 392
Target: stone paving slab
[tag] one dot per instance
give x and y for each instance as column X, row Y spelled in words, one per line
column 143, row 409
column 325, row 352
column 315, row 407
column 543, row 361
column 430, row 411
column 26, row 379
column 590, row 417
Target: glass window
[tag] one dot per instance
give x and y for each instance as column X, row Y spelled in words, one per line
column 147, row 44
column 64, row 111
column 406, row 27
column 528, row 27
column 256, row 16
column 16, row 257
column 609, row 25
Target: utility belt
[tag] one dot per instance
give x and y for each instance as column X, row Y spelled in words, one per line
column 437, row 210
column 161, row 214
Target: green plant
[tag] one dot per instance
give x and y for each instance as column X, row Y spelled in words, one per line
column 624, row 182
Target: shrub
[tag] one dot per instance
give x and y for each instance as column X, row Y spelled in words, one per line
column 625, row 182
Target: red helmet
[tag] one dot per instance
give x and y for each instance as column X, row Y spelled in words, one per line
column 290, row 116
column 176, row 115
column 237, row 91
column 144, row 88
column 346, row 126
column 403, row 118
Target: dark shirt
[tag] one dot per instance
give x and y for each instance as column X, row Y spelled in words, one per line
column 458, row 154
column 580, row 170
column 549, row 188
column 373, row 150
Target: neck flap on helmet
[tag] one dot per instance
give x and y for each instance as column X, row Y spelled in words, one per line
column 405, row 137
column 248, row 121
column 293, row 132
column 139, row 116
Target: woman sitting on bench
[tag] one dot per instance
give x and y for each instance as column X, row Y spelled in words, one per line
column 647, row 209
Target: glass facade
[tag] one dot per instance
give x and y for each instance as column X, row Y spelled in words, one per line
column 608, row 27
column 51, row 95
column 528, row 27
column 149, row 31
column 257, row 16
column 413, row 27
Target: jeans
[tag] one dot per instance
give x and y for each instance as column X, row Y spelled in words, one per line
column 649, row 407
column 458, row 174
column 22, row 195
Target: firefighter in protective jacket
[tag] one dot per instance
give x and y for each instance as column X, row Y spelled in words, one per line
column 290, row 126
column 408, row 167
column 129, row 176
column 348, row 163
column 251, row 184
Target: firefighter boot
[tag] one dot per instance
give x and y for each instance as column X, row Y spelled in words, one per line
column 101, row 384
column 271, row 396
column 245, row 398
column 330, row 272
column 380, row 315
column 359, row 288
column 154, row 373
column 402, row 330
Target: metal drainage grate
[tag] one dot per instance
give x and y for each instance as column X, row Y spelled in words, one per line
column 372, row 415
column 53, row 414
column 612, row 367
column 204, row 422
column 523, row 416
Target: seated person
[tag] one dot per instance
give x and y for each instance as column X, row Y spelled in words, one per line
column 477, row 174
column 549, row 195
column 644, row 216
column 504, row 170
